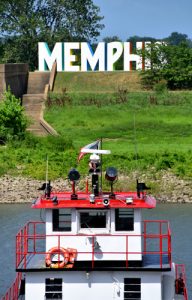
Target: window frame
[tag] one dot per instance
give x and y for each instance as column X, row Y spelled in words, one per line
column 94, row 230
column 133, row 287
column 117, row 216
column 53, row 285
column 56, row 214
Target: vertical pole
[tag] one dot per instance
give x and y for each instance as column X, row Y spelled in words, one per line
column 161, row 245
column 34, row 242
column 101, row 165
column 126, row 251
column 46, row 174
column 93, row 241
column 145, row 238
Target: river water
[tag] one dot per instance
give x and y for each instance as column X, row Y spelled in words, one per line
column 14, row 216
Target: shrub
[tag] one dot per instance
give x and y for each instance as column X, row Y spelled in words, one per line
column 13, row 122
column 160, row 87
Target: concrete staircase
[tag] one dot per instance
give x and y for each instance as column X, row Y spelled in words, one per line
column 34, row 99
column 37, row 82
column 33, row 107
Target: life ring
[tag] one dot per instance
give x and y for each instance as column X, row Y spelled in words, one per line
column 60, row 251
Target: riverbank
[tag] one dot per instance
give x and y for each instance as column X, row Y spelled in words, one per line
column 166, row 187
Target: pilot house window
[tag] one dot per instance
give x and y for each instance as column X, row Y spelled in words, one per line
column 61, row 219
column 132, row 288
column 53, row 288
column 93, row 219
column 124, row 219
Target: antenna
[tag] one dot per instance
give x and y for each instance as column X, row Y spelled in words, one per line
column 101, row 146
column 135, row 143
column 47, row 171
column 135, row 139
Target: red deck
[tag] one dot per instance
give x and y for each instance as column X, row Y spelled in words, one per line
column 83, row 201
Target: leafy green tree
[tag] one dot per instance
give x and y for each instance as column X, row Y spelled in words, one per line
column 109, row 39
column 171, row 63
column 13, row 122
column 135, row 38
column 177, row 38
column 26, row 22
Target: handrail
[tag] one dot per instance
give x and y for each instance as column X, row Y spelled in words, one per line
column 28, row 237
column 180, row 281
column 13, row 292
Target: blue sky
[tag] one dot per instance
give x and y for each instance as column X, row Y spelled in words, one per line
column 155, row 18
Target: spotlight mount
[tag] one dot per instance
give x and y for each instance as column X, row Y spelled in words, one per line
column 111, row 176
column 73, row 176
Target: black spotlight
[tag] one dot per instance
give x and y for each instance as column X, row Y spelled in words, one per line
column 111, row 176
column 141, row 187
column 73, row 176
column 47, row 188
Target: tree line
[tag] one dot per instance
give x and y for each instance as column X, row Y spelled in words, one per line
column 170, row 60
column 24, row 23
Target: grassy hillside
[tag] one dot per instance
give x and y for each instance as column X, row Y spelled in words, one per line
column 156, row 126
column 96, row 82
column 146, row 131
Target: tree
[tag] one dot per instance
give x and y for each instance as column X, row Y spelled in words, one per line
column 135, row 38
column 109, row 39
column 171, row 63
column 177, row 38
column 13, row 122
column 26, row 22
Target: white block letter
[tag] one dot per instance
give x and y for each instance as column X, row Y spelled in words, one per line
column 69, row 57
column 46, row 58
column 111, row 56
column 129, row 57
column 88, row 57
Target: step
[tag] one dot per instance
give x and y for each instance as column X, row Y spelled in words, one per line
column 32, row 99
column 37, row 82
column 34, row 107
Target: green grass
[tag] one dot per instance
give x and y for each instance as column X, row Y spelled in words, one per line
column 96, row 82
column 162, row 134
column 160, row 139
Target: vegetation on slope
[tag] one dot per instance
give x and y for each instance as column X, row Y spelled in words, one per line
column 145, row 131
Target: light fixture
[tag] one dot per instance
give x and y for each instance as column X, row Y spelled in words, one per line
column 54, row 200
column 129, row 200
column 73, row 176
column 106, row 202
column 92, row 198
column 111, row 176
column 141, row 187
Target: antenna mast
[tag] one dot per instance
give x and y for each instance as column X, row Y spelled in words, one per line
column 47, row 170
column 135, row 142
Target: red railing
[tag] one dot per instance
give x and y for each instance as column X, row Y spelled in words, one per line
column 180, row 281
column 163, row 234
column 27, row 243
column 13, row 292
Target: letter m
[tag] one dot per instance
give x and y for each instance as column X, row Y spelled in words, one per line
column 47, row 58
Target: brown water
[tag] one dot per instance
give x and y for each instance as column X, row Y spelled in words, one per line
column 14, row 216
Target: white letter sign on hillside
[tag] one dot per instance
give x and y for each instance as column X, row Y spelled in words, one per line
column 112, row 56
column 70, row 58
column 90, row 58
column 75, row 56
column 46, row 58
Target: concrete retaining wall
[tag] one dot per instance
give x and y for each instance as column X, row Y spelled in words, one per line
column 15, row 76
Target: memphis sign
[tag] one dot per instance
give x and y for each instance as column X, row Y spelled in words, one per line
column 75, row 57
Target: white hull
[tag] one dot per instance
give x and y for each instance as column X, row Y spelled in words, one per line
column 106, row 285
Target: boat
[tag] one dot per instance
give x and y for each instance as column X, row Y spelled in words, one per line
column 94, row 244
